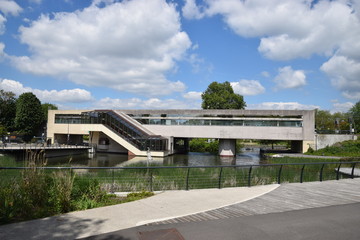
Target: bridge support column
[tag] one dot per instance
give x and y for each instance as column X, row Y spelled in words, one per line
column 227, row 147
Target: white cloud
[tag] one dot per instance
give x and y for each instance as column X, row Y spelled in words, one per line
column 2, row 54
column 265, row 74
column 290, row 29
column 2, row 24
column 128, row 46
column 137, row 103
column 345, row 75
column 192, row 95
column 10, row 7
column 39, row 1
column 289, row 78
column 191, row 10
column 52, row 96
column 341, row 107
column 282, row 106
column 248, row 87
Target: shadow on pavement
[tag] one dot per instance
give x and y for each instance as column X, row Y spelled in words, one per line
column 57, row 227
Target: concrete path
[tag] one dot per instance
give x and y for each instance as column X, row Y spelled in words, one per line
column 288, row 197
column 214, row 214
column 325, row 223
column 299, row 155
column 169, row 204
column 317, row 210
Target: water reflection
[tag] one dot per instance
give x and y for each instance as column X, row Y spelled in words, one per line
column 248, row 157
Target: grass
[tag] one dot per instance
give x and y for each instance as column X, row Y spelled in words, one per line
column 35, row 193
column 156, row 179
column 349, row 148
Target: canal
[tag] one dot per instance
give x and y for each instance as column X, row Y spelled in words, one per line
column 247, row 157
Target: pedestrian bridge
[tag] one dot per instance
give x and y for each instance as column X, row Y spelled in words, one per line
column 164, row 132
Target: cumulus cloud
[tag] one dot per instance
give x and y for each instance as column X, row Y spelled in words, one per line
column 53, row 96
column 10, row 7
column 289, row 78
column 248, row 87
column 128, row 46
column 192, row 11
column 137, row 103
column 341, row 107
column 192, row 95
column 345, row 75
column 265, row 74
column 282, row 106
column 2, row 24
column 291, row 29
column 2, row 54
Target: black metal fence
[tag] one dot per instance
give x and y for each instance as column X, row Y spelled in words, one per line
column 155, row 178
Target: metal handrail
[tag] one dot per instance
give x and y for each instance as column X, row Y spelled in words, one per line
column 276, row 175
column 214, row 166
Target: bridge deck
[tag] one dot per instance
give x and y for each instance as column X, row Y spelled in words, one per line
column 15, row 147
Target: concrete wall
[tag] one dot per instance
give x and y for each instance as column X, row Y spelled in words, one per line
column 304, row 133
column 113, row 146
column 227, row 147
column 228, row 132
column 63, row 128
column 323, row 140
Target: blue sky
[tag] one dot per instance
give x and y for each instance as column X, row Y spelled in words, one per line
column 278, row 54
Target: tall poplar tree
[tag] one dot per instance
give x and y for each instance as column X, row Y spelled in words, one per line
column 29, row 115
column 7, row 110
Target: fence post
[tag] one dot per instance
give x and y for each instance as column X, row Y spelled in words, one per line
column 302, row 174
column 151, row 181
column 321, row 172
column 113, row 181
column 338, row 172
column 220, row 175
column 187, row 179
column 249, row 177
column 352, row 170
column 279, row 175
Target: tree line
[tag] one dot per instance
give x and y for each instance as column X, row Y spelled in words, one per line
column 25, row 116
column 325, row 121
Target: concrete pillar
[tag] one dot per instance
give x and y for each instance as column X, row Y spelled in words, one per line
column 227, row 147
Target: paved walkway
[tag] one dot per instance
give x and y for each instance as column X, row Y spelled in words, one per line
column 164, row 205
column 192, row 208
column 299, row 155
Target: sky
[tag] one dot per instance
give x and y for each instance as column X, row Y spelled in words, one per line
column 158, row 54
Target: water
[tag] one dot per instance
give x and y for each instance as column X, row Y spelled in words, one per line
column 248, row 157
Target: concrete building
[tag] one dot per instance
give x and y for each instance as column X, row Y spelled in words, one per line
column 165, row 132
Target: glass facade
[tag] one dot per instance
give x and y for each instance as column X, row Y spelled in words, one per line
column 121, row 126
column 217, row 120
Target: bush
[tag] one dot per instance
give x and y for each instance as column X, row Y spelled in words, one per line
column 138, row 195
column 204, row 145
column 342, row 149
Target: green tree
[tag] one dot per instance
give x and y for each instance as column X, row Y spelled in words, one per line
column 324, row 120
column 7, row 110
column 204, row 145
column 221, row 96
column 29, row 115
column 47, row 106
column 354, row 114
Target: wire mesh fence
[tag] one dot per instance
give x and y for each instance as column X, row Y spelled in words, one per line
column 132, row 179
